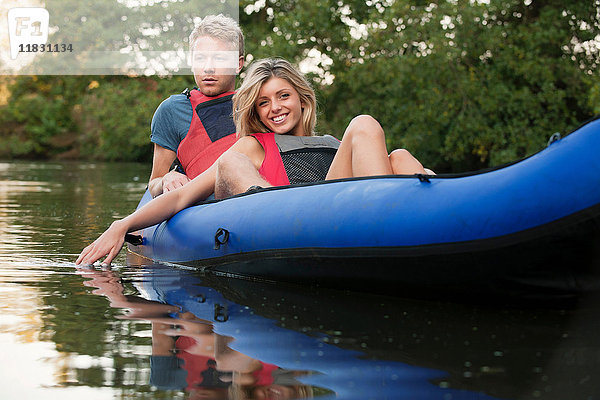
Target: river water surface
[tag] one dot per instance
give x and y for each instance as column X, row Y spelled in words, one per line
column 143, row 331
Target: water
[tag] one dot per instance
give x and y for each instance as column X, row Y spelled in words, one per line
column 109, row 333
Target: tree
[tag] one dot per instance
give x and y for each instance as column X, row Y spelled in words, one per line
column 461, row 84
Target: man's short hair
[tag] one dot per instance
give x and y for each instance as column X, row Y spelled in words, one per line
column 219, row 27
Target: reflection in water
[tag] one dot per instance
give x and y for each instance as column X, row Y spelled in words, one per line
column 58, row 340
column 45, row 213
column 188, row 354
column 361, row 347
column 254, row 356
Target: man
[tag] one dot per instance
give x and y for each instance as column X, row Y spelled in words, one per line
column 196, row 126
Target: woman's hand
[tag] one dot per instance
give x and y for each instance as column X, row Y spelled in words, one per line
column 108, row 244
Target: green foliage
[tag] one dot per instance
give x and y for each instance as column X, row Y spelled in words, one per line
column 461, row 84
column 594, row 98
column 101, row 118
column 36, row 122
column 114, row 116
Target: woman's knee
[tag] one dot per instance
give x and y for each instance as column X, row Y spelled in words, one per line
column 400, row 155
column 402, row 161
column 364, row 119
column 366, row 126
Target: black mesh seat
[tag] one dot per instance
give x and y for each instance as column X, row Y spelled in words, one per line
column 306, row 158
column 307, row 165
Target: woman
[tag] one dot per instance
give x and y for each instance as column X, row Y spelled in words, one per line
column 275, row 109
column 276, row 103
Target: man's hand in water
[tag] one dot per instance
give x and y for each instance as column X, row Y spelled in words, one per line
column 108, row 244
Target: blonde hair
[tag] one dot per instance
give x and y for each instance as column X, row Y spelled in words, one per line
column 219, row 27
column 245, row 117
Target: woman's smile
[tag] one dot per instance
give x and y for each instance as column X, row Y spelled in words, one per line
column 279, row 118
column 279, row 107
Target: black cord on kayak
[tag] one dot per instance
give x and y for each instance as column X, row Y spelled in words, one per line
column 221, row 237
column 423, row 178
column 135, row 240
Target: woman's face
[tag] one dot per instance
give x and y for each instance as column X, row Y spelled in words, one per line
column 279, row 107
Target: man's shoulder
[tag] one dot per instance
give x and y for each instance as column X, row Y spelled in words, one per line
column 175, row 107
column 175, row 101
column 171, row 121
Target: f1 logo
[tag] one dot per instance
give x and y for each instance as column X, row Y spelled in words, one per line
column 27, row 26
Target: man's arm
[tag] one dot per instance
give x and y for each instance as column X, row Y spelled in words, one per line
column 161, row 179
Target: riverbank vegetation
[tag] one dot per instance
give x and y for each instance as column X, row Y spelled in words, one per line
column 463, row 85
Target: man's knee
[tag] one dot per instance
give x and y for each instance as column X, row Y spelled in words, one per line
column 232, row 162
column 235, row 173
column 229, row 164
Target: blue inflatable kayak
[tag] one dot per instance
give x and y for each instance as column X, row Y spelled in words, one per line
column 531, row 227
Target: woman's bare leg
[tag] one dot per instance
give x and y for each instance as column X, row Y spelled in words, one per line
column 362, row 152
column 403, row 163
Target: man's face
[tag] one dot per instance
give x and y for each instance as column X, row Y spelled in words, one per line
column 215, row 64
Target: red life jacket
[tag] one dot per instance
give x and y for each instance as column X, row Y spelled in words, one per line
column 211, row 132
column 319, row 149
column 272, row 168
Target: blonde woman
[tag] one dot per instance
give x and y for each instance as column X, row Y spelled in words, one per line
column 275, row 116
column 276, row 107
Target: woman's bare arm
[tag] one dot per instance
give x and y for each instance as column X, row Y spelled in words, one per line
column 159, row 209
column 163, row 207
